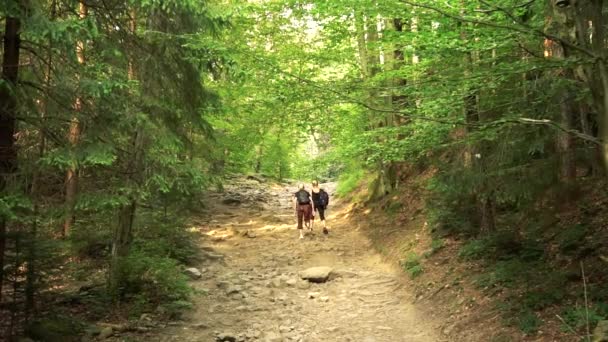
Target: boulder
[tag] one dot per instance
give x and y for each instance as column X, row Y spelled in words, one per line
column 316, row 274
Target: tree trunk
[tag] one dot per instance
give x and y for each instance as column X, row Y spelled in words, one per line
column 8, row 108
column 123, row 232
column 71, row 178
column 565, row 27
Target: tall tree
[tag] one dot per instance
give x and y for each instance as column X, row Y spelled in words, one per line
column 8, row 114
column 71, row 178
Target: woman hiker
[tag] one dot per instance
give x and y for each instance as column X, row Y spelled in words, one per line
column 320, row 199
column 304, row 209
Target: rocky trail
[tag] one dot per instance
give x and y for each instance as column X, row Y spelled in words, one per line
column 251, row 288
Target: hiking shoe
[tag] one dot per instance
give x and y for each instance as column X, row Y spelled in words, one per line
column 325, row 231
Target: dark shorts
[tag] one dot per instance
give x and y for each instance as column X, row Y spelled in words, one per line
column 304, row 213
column 321, row 210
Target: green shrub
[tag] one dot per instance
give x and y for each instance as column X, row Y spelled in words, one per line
column 528, row 322
column 514, row 314
column 571, row 238
column 412, row 266
column 437, row 245
column 475, row 249
column 540, row 299
column 170, row 239
column 155, row 279
column 576, row 317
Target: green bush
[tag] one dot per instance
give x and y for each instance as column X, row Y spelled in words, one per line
column 540, row 299
column 514, row 314
column 528, row 321
column 475, row 249
column 168, row 239
column 571, row 238
column 576, row 317
column 412, row 266
column 155, row 279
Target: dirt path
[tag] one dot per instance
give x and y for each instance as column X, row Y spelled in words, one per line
column 254, row 293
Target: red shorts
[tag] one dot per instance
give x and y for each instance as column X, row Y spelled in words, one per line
column 304, row 213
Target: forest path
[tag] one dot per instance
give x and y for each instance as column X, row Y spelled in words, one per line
column 251, row 290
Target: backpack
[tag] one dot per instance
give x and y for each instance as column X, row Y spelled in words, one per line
column 303, row 197
column 323, row 198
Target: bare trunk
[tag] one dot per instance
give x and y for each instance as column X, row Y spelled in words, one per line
column 8, row 108
column 71, row 178
column 361, row 44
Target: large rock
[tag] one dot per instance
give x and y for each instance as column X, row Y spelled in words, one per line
column 316, row 274
column 600, row 333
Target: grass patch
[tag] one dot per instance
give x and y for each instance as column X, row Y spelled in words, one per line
column 411, row 265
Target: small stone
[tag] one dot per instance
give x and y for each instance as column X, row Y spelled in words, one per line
column 316, row 274
column 106, row 333
column 277, row 283
column 291, row 282
column 226, row 337
column 233, row 290
column 145, row 317
column 303, row 285
column 313, row 295
column 324, row 299
column 223, row 284
column 193, row 273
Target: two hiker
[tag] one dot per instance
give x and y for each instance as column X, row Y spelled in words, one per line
column 306, row 205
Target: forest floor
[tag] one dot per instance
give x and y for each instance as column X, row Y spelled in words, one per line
column 250, row 289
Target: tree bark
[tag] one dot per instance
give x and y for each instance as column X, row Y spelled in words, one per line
column 71, row 178
column 8, row 109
